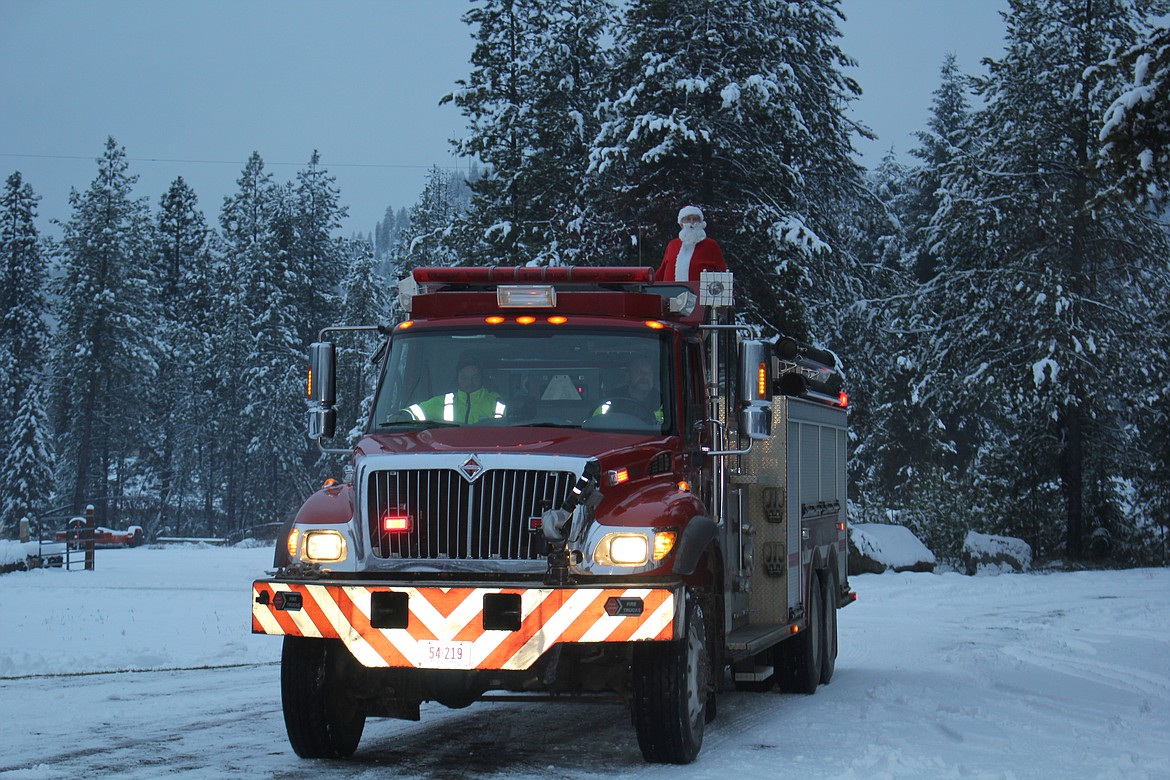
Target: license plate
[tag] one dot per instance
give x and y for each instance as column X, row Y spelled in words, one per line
column 444, row 655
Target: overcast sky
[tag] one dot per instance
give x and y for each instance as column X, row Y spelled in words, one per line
column 192, row 87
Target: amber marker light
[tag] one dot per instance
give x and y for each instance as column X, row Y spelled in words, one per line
column 294, row 537
column 684, row 486
column 405, row 325
column 495, row 319
column 526, row 320
column 557, row 320
column 762, row 380
column 654, row 325
column 310, row 384
column 663, row 544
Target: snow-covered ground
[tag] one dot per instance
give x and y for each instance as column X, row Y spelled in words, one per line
column 147, row 667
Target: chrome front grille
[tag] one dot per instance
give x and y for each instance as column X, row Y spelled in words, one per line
column 451, row 518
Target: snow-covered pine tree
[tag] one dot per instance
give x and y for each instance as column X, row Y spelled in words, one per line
column 1046, row 299
column 249, row 245
column 386, row 232
column 178, row 398
column 904, row 455
column 272, row 418
column 365, row 300
column 737, row 107
column 1136, row 132
column 426, row 239
column 28, row 453
column 892, row 434
column 946, row 136
column 538, row 68
column 104, row 342
column 317, row 257
column 1135, row 152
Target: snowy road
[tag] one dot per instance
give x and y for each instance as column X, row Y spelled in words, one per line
column 1020, row 676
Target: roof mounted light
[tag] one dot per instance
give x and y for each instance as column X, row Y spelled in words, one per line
column 540, row 296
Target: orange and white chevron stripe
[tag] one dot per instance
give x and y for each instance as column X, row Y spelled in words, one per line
column 445, row 627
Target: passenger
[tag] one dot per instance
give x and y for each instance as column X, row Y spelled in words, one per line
column 692, row 252
column 638, row 397
column 468, row 404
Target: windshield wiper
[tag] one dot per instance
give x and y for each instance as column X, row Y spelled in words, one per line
column 546, row 425
column 419, row 423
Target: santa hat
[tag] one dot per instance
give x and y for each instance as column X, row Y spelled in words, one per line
column 687, row 211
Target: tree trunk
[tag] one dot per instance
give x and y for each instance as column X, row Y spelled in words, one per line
column 1072, row 477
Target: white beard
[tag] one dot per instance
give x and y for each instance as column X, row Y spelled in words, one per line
column 693, row 233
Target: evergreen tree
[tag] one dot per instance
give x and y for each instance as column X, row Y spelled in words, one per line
column 945, row 137
column 1046, row 299
column 317, row 257
column 1136, row 132
column 28, row 455
column 104, row 349
column 538, row 67
column 365, row 300
column 426, row 241
column 737, row 107
column 181, row 251
column 250, row 248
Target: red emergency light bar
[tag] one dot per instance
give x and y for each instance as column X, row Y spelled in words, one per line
column 534, row 275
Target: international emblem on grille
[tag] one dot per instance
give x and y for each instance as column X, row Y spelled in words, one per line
column 471, row 468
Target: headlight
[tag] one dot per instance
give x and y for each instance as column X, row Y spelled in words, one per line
column 622, row 550
column 324, row 546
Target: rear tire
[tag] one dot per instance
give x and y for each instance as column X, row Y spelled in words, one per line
column 829, row 623
column 800, row 659
column 671, row 682
column 321, row 716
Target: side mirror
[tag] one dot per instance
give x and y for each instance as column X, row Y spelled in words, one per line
column 322, row 373
column 755, row 389
column 755, row 421
column 322, row 423
column 322, row 390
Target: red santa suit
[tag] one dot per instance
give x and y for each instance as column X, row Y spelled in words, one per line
column 693, row 260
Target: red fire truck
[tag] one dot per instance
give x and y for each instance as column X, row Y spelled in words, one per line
column 573, row 481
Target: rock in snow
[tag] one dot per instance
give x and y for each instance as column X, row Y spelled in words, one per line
column 875, row 548
column 985, row 553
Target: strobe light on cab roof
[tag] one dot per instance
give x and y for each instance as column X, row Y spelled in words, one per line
column 533, row 275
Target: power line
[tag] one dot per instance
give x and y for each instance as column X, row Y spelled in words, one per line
column 91, row 158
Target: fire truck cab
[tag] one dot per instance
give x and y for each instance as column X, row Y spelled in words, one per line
column 572, row 481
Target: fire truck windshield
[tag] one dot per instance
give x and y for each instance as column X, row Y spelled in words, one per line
column 602, row 379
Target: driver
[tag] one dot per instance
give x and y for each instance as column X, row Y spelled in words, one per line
column 469, row 403
column 640, row 388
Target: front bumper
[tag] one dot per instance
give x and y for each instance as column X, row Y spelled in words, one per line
column 432, row 627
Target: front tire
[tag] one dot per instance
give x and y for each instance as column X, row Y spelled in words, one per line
column 671, row 682
column 321, row 716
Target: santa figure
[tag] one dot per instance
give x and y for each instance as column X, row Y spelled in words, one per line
column 692, row 252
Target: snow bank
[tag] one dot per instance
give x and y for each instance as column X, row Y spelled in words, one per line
column 15, row 553
column 879, row 547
